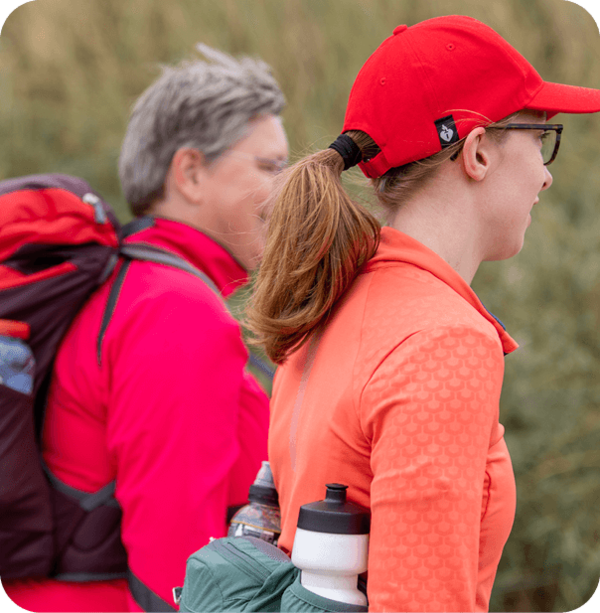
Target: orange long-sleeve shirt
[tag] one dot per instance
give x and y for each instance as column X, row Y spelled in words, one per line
column 399, row 399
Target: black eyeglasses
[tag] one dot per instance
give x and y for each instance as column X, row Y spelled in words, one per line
column 550, row 137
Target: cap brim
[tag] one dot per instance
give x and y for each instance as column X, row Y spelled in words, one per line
column 557, row 98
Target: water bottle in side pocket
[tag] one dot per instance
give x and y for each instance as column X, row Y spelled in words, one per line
column 17, row 364
column 261, row 517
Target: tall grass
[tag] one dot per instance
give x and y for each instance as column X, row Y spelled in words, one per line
column 71, row 69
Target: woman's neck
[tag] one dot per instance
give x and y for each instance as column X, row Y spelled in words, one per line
column 446, row 223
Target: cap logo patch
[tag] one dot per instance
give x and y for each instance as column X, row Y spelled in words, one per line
column 447, row 132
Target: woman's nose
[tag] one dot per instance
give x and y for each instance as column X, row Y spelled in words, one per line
column 548, row 179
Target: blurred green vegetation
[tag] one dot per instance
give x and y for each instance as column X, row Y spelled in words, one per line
column 71, row 69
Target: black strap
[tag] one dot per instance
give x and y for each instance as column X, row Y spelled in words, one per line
column 88, row 502
column 147, row 253
column 154, row 254
column 145, row 597
column 137, row 225
column 144, row 253
column 113, row 298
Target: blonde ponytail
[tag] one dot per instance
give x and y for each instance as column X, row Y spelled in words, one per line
column 317, row 240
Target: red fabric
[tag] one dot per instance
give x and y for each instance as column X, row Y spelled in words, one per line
column 49, row 216
column 399, row 400
column 13, row 278
column 171, row 414
column 15, row 329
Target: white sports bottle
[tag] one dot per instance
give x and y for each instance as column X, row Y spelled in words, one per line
column 331, row 546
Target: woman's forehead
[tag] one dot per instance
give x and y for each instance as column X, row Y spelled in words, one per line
column 531, row 116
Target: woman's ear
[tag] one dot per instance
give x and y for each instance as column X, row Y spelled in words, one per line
column 188, row 168
column 476, row 154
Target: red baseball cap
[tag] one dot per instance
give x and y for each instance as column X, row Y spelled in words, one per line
column 429, row 85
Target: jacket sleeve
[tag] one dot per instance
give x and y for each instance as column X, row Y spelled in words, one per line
column 177, row 394
column 429, row 410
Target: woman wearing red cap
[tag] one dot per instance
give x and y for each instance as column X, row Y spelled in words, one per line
column 391, row 366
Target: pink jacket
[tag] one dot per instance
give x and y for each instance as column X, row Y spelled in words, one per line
column 171, row 414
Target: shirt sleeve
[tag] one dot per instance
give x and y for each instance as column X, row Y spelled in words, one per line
column 430, row 409
column 178, row 401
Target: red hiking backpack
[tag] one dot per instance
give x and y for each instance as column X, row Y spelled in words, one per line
column 58, row 242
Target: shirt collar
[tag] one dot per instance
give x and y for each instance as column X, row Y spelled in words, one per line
column 395, row 246
column 197, row 248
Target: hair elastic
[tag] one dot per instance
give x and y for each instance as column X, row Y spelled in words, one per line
column 348, row 149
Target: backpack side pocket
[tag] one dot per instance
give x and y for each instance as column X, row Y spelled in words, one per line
column 297, row 598
column 236, row 574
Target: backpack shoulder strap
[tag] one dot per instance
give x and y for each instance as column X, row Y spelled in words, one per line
column 145, row 253
column 137, row 225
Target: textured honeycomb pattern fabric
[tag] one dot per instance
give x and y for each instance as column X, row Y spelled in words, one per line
column 401, row 403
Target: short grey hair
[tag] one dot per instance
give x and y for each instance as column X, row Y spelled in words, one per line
column 206, row 105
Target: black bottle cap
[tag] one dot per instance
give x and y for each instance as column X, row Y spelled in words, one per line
column 263, row 489
column 263, row 495
column 334, row 514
